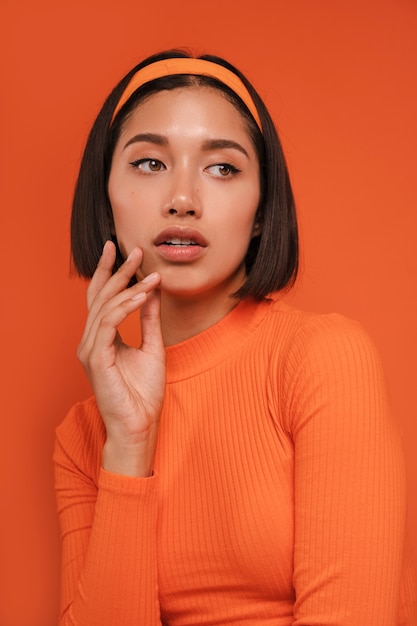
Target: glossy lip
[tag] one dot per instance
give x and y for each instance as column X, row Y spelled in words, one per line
column 180, row 254
column 180, row 232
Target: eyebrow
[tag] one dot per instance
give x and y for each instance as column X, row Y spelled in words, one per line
column 160, row 140
column 216, row 144
column 208, row 144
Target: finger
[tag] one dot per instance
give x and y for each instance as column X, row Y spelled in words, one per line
column 151, row 322
column 104, row 284
column 97, row 350
column 103, row 271
column 148, row 284
column 116, row 311
column 109, row 310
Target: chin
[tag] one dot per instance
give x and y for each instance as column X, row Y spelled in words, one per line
column 181, row 291
column 195, row 292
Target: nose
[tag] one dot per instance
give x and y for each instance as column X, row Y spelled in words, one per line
column 183, row 198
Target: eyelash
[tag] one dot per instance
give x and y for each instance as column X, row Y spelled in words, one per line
column 139, row 162
column 231, row 168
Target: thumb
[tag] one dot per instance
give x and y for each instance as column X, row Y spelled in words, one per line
column 151, row 322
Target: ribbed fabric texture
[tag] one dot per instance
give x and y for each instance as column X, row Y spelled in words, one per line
column 278, row 496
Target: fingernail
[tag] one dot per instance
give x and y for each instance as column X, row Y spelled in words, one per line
column 150, row 277
column 139, row 296
column 131, row 253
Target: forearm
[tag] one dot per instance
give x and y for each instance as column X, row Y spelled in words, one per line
column 117, row 582
column 349, row 480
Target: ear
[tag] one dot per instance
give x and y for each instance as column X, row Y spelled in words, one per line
column 256, row 229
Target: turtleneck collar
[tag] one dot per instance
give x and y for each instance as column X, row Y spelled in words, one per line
column 203, row 351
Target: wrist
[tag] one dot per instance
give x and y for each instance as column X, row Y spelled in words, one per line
column 129, row 458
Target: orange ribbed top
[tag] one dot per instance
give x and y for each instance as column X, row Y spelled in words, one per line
column 278, row 496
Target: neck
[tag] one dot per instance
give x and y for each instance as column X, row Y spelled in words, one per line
column 183, row 318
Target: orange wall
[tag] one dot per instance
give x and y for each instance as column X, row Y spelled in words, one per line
column 339, row 78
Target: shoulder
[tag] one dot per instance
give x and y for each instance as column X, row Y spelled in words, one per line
column 80, row 437
column 322, row 355
column 307, row 333
column 331, row 376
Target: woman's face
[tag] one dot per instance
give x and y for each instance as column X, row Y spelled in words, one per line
column 184, row 186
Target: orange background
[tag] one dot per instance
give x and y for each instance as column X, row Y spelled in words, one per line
column 340, row 81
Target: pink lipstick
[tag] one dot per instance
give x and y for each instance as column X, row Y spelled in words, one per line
column 180, row 244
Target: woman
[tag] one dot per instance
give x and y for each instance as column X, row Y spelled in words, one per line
column 240, row 466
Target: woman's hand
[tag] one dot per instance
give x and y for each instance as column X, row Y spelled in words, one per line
column 128, row 383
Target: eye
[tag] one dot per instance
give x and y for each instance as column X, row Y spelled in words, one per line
column 148, row 165
column 223, row 170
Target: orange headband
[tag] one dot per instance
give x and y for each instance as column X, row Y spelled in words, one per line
column 185, row 65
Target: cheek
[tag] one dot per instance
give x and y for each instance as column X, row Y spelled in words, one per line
column 124, row 206
column 237, row 231
column 123, row 223
column 246, row 212
column 122, row 192
column 121, row 197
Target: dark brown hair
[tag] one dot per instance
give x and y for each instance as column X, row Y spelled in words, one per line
column 272, row 257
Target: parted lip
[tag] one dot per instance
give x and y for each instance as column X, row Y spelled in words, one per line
column 180, row 232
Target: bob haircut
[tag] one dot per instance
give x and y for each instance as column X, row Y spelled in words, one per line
column 272, row 257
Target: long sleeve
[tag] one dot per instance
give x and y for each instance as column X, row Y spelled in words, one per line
column 349, row 479
column 278, row 497
column 108, row 526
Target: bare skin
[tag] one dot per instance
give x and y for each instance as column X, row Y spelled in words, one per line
column 129, row 383
column 184, row 167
